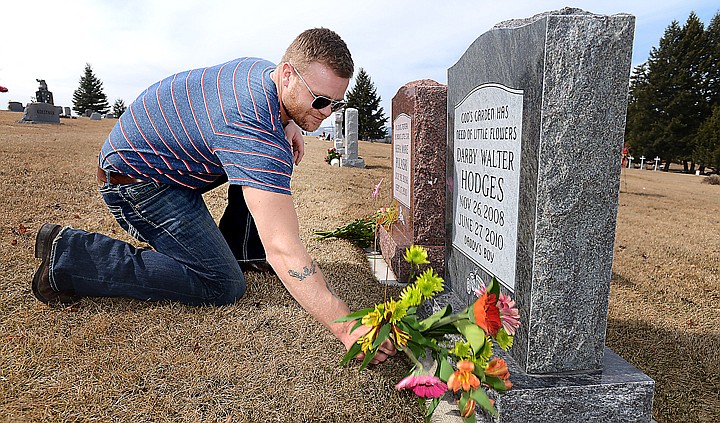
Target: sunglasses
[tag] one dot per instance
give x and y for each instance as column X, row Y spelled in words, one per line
column 320, row 101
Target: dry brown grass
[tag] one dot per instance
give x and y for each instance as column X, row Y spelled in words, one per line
column 264, row 358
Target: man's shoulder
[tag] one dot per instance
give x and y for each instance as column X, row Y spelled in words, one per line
column 249, row 62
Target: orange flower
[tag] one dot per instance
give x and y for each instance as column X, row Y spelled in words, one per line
column 469, row 408
column 498, row 367
column 487, row 314
column 463, row 377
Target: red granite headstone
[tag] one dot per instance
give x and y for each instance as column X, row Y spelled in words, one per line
column 419, row 117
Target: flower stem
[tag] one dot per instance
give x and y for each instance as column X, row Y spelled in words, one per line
column 409, row 353
column 448, row 320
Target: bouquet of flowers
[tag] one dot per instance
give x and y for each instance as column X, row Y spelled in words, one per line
column 464, row 338
column 363, row 231
column 332, row 154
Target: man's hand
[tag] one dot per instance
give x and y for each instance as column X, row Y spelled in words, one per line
column 293, row 133
column 279, row 231
column 386, row 349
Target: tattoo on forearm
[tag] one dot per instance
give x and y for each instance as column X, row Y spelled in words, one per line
column 305, row 272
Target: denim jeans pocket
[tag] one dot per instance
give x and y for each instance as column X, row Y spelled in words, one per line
column 142, row 192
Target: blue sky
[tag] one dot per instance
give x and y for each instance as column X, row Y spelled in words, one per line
column 133, row 43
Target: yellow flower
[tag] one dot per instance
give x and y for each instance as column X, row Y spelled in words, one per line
column 429, row 283
column 411, row 296
column 375, row 317
column 401, row 338
column 366, row 340
column 416, row 255
column 395, row 310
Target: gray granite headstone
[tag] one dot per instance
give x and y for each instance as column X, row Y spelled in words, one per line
column 525, row 101
column 338, row 142
column 40, row 113
column 95, row 116
column 15, row 106
column 68, row 111
column 109, row 116
column 350, row 157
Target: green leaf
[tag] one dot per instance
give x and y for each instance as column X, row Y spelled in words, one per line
column 494, row 287
column 354, row 315
column 427, row 323
column 445, row 369
column 356, row 325
column 481, row 398
column 382, row 335
column 472, row 333
column 368, row 357
column 352, row 353
column 495, row 382
column 431, row 409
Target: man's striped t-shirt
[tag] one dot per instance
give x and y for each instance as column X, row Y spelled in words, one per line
column 192, row 127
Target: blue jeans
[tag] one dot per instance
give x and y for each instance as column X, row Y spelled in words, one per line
column 190, row 261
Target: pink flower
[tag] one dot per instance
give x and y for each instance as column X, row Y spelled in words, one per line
column 376, row 191
column 509, row 315
column 480, row 291
column 425, row 386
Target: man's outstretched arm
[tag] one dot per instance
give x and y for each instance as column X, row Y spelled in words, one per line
column 277, row 225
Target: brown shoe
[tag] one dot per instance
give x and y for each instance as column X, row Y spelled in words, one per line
column 41, row 286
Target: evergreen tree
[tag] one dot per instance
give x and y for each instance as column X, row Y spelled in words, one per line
column 668, row 101
column 707, row 149
column 363, row 97
column 118, row 107
column 89, row 94
column 711, row 66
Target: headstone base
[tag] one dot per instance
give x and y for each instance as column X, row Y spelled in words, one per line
column 40, row 113
column 619, row 393
column 359, row 162
column 393, row 250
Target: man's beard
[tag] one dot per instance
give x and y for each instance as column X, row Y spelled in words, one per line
column 302, row 118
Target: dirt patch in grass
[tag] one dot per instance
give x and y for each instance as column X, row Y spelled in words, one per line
column 264, row 358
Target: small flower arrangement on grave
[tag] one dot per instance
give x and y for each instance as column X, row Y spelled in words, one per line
column 464, row 338
column 363, row 231
column 332, row 153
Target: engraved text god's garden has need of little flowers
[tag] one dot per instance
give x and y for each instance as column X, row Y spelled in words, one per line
column 493, row 316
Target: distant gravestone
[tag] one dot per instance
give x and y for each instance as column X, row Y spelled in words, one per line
column 68, row 111
column 88, row 112
column 40, row 113
column 95, row 116
column 109, row 116
column 350, row 158
column 419, row 131
column 338, row 126
column 15, row 106
column 524, row 101
column 42, row 95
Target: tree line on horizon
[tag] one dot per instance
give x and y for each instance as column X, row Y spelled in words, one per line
column 674, row 101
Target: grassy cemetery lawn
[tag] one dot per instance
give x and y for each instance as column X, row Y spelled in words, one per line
column 264, row 358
